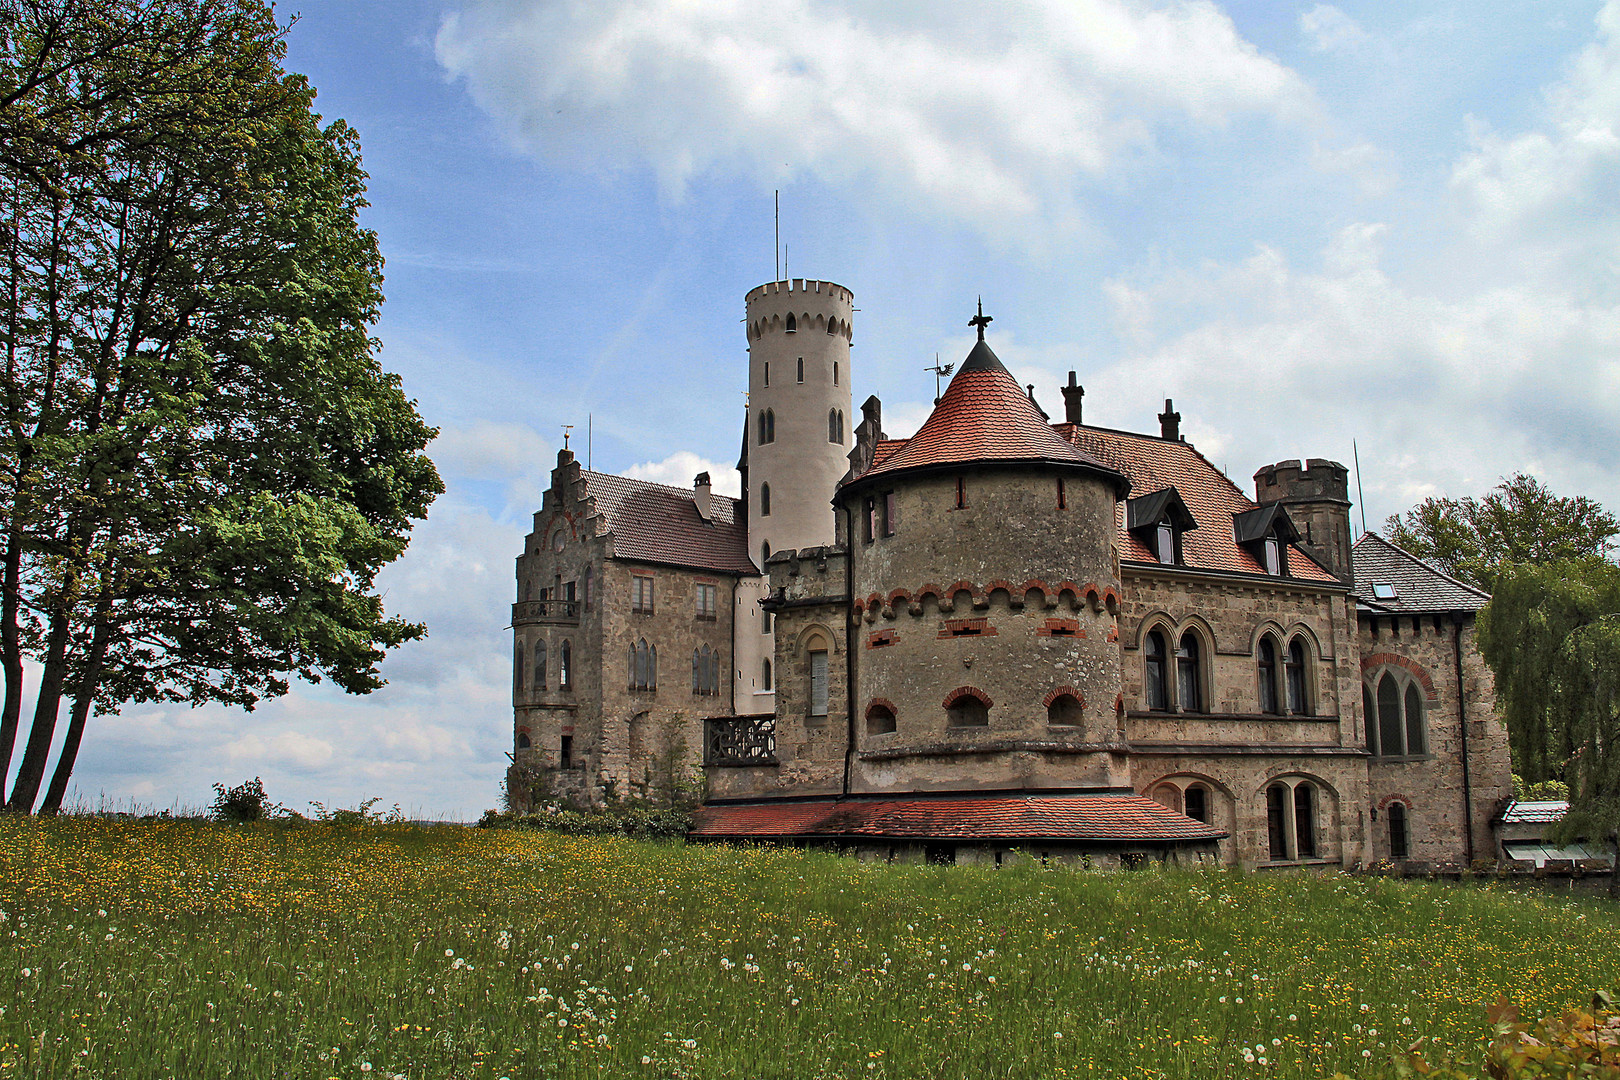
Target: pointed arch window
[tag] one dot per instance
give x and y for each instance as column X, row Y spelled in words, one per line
column 792, row 325
column 565, row 666
column 1293, row 809
column 880, row 720
column 764, row 500
column 1155, row 684
column 540, row 665
column 1396, row 722
column 1294, row 678
column 1266, row 669
column 765, row 674
column 767, row 427
column 517, row 667
column 1189, row 688
column 643, row 666
column 832, row 328
column 705, row 672
column 833, row 434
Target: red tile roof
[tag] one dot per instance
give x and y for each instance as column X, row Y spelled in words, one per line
column 1102, row 817
column 660, row 524
column 1153, row 464
column 983, row 416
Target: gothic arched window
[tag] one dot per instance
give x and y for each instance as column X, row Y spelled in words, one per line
column 1294, row 678
column 1266, row 668
column 764, row 500
column 792, row 325
column 1189, row 690
column 1154, row 683
column 540, row 665
column 565, row 666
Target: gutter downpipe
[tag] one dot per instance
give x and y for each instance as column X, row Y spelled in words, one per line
column 850, row 638
column 1462, row 724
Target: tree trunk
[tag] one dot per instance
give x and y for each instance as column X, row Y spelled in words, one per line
column 83, row 698
column 31, row 772
column 1614, row 867
column 10, row 650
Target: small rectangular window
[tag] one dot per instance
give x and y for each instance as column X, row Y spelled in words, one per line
column 706, row 607
column 1063, row 497
column 566, row 758
column 818, row 684
column 891, row 514
column 1273, row 557
column 1166, row 537
column 869, row 519
column 641, row 595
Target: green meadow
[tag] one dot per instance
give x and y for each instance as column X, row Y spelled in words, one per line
column 183, row 949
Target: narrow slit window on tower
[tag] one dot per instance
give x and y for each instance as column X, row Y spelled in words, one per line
column 801, row 369
column 961, row 492
column 835, row 433
column 835, row 363
column 1063, row 496
column 764, row 500
column 767, row 373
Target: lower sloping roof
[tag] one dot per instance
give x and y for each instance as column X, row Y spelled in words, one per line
column 1086, row 817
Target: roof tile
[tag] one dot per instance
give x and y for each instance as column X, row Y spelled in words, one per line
column 1418, row 587
column 660, row 524
column 1104, row 817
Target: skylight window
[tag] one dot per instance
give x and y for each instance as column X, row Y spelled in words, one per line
column 1383, row 591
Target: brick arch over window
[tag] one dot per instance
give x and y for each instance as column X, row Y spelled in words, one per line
column 1059, row 691
column 967, row 706
column 881, row 716
column 962, row 692
column 1412, row 667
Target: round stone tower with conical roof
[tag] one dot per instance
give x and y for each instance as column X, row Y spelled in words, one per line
column 986, row 583
column 799, row 335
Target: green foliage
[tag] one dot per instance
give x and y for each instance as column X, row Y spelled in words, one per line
column 1551, row 634
column 244, row 802
column 1520, row 522
column 362, row 814
column 1550, row 790
column 202, row 465
column 634, row 820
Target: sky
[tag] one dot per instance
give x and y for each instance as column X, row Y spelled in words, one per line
column 1385, row 228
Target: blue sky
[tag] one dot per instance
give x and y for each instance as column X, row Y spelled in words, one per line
column 1306, row 223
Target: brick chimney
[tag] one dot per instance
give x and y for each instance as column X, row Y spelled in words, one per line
column 1169, row 423
column 1071, row 400
column 702, row 489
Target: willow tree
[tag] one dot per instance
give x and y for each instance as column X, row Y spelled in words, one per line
column 1551, row 634
column 203, row 466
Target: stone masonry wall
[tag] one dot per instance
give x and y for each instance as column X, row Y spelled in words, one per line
column 1431, row 785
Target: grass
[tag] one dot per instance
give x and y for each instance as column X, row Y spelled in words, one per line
column 181, row 949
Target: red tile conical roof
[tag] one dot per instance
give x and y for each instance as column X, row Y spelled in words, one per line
column 985, row 416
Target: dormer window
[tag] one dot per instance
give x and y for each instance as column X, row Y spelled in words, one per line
column 1265, row 533
column 1158, row 520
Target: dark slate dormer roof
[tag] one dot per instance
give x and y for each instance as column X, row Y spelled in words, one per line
column 1251, row 526
column 1417, row 586
column 985, row 416
column 1148, row 510
column 1154, row 464
column 657, row 523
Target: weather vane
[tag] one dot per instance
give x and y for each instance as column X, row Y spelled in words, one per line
column 566, row 429
column 939, row 371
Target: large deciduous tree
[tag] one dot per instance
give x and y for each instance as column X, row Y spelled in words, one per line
column 1519, row 522
column 202, row 466
column 1551, row 634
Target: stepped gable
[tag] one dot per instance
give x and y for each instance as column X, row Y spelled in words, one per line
column 984, row 416
column 657, row 523
column 1107, row 817
column 1418, row 587
column 1153, row 464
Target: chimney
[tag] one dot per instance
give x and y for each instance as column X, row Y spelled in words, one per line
column 700, row 496
column 1037, row 404
column 1169, row 423
column 1071, row 400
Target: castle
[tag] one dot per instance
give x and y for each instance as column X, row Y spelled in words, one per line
column 1001, row 637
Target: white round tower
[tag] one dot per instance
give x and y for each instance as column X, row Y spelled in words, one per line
column 798, row 411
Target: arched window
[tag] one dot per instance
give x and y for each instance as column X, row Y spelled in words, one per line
column 1294, row 678
column 517, row 667
column 764, row 500
column 764, row 552
column 792, row 326
column 765, row 674
column 1189, row 690
column 1369, row 716
column 1395, row 715
column 1154, row 683
column 967, row 710
column 1196, row 803
column 767, row 426
column 879, row 720
column 565, row 666
column 1065, row 710
column 1395, row 815
column 1415, row 741
column 1391, row 728
column 1168, row 796
column 832, row 426
column 643, row 666
column 801, row 369
column 540, row 665
column 818, row 682
column 1267, row 670
column 523, row 740
column 762, row 439
column 835, row 363
column 1305, row 821
column 832, row 328
column 1277, row 821
column 840, row 426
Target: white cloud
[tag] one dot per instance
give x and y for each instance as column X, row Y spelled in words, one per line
column 681, row 468
column 1327, row 29
column 983, row 114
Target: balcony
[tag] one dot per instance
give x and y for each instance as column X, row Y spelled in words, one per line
column 740, row 740
column 553, row 612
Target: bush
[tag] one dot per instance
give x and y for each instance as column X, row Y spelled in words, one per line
column 244, row 802
column 636, row 821
column 1542, row 790
column 363, row 814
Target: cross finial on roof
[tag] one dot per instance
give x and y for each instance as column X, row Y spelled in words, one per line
column 981, row 320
